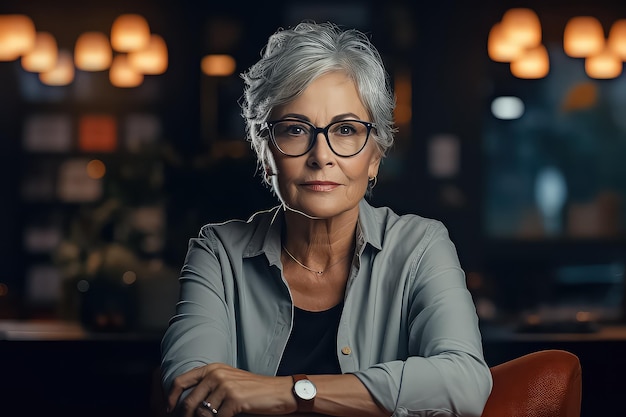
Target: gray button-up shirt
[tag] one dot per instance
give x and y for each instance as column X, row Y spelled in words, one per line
column 408, row 330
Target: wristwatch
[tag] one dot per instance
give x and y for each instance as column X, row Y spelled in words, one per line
column 304, row 390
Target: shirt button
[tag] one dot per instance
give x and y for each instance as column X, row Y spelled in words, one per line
column 346, row 350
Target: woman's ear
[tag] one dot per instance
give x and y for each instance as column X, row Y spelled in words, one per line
column 269, row 165
column 372, row 171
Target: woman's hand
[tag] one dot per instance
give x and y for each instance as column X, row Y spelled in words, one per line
column 231, row 391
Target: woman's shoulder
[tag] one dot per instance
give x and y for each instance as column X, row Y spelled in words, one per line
column 401, row 238
column 407, row 222
column 237, row 228
column 386, row 228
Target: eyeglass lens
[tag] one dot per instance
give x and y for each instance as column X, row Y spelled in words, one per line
column 345, row 137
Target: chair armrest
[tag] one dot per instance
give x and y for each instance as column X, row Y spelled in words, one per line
column 546, row 383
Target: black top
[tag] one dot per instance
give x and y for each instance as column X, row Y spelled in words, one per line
column 312, row 346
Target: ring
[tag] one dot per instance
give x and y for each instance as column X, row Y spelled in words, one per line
column 209, row 406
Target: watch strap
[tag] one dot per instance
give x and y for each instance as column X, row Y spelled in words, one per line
column 303, row 405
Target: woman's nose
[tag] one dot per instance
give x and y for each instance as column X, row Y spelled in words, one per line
column 320, row 154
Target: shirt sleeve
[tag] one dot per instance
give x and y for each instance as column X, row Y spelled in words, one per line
column 199, row 332
column 445, row 373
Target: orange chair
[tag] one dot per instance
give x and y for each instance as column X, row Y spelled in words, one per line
column 546, row 383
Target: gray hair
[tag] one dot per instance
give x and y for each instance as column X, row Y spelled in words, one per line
column 295, row 57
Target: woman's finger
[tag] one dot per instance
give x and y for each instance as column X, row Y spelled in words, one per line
column 214, row 403
column 209, row 406
column 183, row 382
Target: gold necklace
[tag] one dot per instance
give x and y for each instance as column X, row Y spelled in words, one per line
column 315, row 271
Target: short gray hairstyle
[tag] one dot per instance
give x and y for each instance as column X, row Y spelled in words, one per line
column 295, row 57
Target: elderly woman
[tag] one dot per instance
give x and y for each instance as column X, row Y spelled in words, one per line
column 323, row 304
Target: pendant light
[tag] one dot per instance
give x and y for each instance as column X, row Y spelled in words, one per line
column 43, row 56
column 499, row 47
column 218, row 65
column 583, row 37
column 93, row 52
column 617, row 39
column 532, row 64
column 604, row 65
column 17, row 36
column 122, row 74
column 152, row 59
column 521, row 26
column 62, row 73
column 130, row 32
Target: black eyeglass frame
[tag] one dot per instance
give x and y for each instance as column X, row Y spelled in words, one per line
column 269, row 125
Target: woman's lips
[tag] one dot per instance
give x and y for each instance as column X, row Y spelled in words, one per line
column 320, row 185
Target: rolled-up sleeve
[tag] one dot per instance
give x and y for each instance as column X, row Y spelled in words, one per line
column 199, row 333
column 445, row 373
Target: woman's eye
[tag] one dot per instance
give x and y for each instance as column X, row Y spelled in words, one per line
column 346, row 130
column 296, row 130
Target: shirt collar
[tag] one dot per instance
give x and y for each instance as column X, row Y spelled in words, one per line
column 371, row 226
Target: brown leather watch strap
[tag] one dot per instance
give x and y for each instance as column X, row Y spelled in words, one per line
column 303, row 405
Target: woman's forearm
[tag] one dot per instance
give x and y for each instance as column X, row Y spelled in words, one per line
column 344, row 395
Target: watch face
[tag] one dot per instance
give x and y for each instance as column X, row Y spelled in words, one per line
column 305, row 389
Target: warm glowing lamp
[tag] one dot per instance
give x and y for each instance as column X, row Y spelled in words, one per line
column 62, row 73
column 152, row 59
column 122, row 74
column 43, row 57
column 521, row 26
column 93, row 52
column 499, row 47
column 583, row 37
column 218, row 65
column 17, row 36
column 96, row 169
column 533, row 63
column 604, row 65
column 617, row 39
column 129, row 32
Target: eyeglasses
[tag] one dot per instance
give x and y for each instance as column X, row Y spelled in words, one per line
column 295, row 137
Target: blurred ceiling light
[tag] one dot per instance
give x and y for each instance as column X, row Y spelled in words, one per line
column 96, row 169
column 129, row 32
column 617, row 39
column 499, row 47
column 533, row 63
column 583, row 37
column 604, row 65
column 507, row 107
column 218, row 65
column 521, row 26
column 93, row 52
column 122, row 74
column 62, row 73
column 550, row 196
column 152, row 59
column 43, row 56
column 17, row 36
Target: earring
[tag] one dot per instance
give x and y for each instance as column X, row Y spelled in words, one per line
column 372, row 182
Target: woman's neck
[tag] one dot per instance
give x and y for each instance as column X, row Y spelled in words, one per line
column 320, row 242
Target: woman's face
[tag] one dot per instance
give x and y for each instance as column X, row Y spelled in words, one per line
column 320, row 183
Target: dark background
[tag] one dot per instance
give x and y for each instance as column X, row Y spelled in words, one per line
column 207, row 177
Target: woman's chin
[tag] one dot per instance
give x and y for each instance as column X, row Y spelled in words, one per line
column 318, row 211
column 306, row 211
